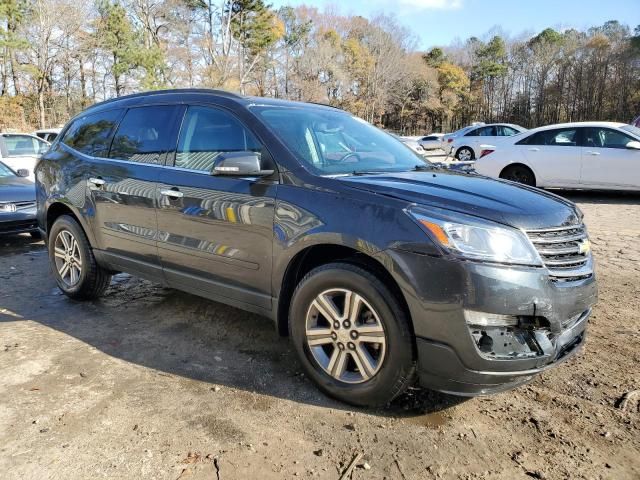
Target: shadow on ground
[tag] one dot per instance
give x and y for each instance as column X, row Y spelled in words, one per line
column 175, row 333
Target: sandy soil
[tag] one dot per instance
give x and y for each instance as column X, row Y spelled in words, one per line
column 154, row 383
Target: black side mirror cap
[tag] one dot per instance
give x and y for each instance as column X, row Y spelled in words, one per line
column 239, row 164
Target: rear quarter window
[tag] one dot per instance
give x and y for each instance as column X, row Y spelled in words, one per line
column 91, row 134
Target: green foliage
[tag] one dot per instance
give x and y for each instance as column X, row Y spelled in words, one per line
column 254, row 24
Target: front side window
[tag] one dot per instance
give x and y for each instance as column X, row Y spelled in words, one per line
column 91, row 134
column 565, row 137
column 206, row 133
column 144, row 134
column 605, row 138
column 20, row 145
column 335, row 142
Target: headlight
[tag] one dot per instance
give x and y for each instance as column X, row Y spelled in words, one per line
column 475, row 239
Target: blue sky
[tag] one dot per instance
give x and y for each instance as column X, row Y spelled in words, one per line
column 439, row 22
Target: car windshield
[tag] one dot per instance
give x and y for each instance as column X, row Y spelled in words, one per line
column 631, row 129
column 335, row 142
column 5, row 171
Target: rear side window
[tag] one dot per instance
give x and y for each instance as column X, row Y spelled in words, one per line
column 563, row 137
column 144, row 134
column 208, row 132
column 91, row 134
column 18, row 145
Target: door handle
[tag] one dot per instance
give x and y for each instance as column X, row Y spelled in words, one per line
column 534, row 149
column 168, row 192
column 97, row 181
column 593, row 153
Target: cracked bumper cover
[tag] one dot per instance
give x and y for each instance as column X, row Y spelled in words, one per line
column 438, row 290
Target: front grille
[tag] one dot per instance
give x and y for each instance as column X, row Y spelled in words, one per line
column 565, row 252
column 23, row 205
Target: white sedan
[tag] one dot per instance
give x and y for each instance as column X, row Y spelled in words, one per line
column 591, row 155
column 431, row 142
column 466, row 146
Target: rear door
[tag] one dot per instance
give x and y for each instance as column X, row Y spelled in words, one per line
column 216, row 232
column 606, row 162
column 126, row 150
column 554, row 155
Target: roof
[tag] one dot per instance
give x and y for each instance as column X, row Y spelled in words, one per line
column 240, row 99
column 581, row 124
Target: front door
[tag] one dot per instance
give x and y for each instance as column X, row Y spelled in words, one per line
column 216, row 232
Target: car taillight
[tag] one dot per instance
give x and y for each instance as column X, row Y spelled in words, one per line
column 486, row 152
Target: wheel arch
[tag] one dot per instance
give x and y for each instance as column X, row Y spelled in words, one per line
column 57, row 209
column 536, row 178
column 319, row 254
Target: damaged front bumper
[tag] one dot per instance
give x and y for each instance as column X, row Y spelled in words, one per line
column 545, row 322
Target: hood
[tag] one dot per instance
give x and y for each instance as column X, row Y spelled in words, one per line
column 499, row 201
column 17, row 189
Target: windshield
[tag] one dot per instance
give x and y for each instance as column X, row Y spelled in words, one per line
column 631, row 129
column 5, row 171
column 335, row 142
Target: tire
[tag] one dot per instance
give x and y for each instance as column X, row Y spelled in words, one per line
column 520, row 174
column 465, row 154
column 84, row 279
column 387, row 344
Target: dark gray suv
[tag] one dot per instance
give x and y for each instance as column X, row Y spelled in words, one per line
column 381, row 269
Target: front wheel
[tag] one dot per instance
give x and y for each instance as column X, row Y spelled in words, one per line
column 352, row 335
column 72, row 262
column 519, row 174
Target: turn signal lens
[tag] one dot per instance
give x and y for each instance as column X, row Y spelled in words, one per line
column 437, row 232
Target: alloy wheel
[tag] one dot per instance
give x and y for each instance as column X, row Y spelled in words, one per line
column 345, row 335
column 67, row 258
column 464, row 155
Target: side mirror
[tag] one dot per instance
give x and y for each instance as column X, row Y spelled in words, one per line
column 239, row 164
column 23, row 172
column 633, row 145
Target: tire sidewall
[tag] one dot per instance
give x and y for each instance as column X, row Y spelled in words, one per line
column 398, row 351
column 67, row 223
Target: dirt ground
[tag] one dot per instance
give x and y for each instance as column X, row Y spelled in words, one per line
column 154, row 383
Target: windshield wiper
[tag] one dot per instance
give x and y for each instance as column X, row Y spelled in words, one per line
column 368, row 172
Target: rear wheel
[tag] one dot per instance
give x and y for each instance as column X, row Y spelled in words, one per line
column 465, row 154
column 72, row 262
column 352, row 335
column 520, row 174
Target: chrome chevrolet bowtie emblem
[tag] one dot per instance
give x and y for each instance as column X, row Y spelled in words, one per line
column 584, row 247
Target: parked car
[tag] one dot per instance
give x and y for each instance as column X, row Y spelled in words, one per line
column 409, row 142
column 466, row 146
column 47, row 134
column 593, row 155
column 21, row 151
column 432, row 141
column 17, row 202
column 448, row 138
column 381, row 269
